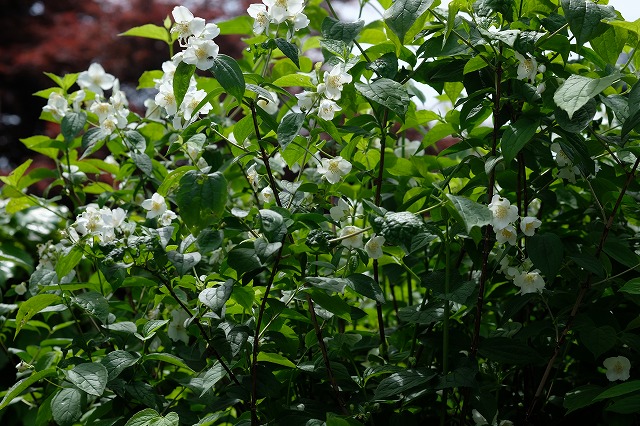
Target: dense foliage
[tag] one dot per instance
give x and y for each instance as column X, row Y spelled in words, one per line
column 284, row 238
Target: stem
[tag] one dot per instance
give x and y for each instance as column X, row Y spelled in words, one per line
column 586, row 285
column 383, row 339
column 265, row 156
column 445, row 324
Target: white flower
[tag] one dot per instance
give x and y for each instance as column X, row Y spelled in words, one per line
column 210, row 31
column 73, row 174
column 281, row 10
column 253, row 177
column 503, row 212
column 155, row 206
column 327, row 109
column 340, row 211
column 268, row 105
column 300, row 21
column 334, row 81
column 166, row 98
column 332, row 169
column 478, row 419
column 617, row 368
column 166, row 218
column 353, row 236
column 201, row 53
column 102, row 110
column 569, row 173
column 266, row 195
column 153, row 112
column 95, row 79
column 261, row 18
column 527, row 67
column 20, row 289
column 57, row 105
column 186, row 25
column 374, row 247
column 529, row 224
column 191, row 100
column 306, row 100
column 560, row 156
column 506, row 235
column 529, row 282
column 77, row 100
column 176, row 330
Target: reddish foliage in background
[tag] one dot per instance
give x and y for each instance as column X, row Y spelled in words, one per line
column 66, row 36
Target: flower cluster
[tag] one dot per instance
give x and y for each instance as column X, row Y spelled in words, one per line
column 566, row 169
column 276, row 12
column 157, row 207
column 504, row 216
column 526, row 279
column 327, row 92
column 104, row 224
column 528, row 69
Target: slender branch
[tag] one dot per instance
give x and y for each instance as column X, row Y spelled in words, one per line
column 265, row 156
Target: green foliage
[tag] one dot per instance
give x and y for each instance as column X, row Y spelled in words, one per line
column 281, row 242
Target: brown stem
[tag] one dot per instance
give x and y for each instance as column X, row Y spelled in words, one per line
column 265, row 156
column 383, row 339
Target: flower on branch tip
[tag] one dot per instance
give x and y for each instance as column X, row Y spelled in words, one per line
column 270, row 106
column 560, row 156
column 340, row 211
column 327, row 109
column 281, row 10
column 261, row 17
column 529, row 224
column 57, row 105
column 506, row 235
column 95, row 79
column 373, row 247
column 332, row 169
column 155, row 206
column 166, row 218
column 529, row 282
column 186, row 25
column 334, row 81
column 306, row 100
column 177, row 330
column 352, row 237
column 503, row 212
column 527, row 67
column 201, row 53
column 266, row 195
column 618, row 368
column 20, row 289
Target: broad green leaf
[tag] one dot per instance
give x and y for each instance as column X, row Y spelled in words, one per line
column 147, row 79
column 16, row 175
column 471, row 213
column 634, row 26
column 145, row 417
column 631, row 287
column 72, row 124
column 585, row 18
column 183, row 262
column 385, row 66
column 509, row 351
column 242, row 25
column 290, row 50
column 332, row 284
column 151, row 326
column 399, row 383
column 366, row 286
column 201, row 199
column 617, row 390
column 345, row 31
column 272, row 225
column 244, row 259
column 149, row 31
column 289, row 128
column 581, row 118
column 117, row 361
column 90, row 377
column 489, row 7
column 42, row 145
column 388, row 93
column 215, row 297
column 94, row 304
column 628, row 405
column 135, row 141
column 546, row 252
column 609, row 44
column 403, row 14
column 294, row 80
column 182, row 80
column 431, row 313
column 581, row 397
column 228, row 73
column 32, row 306
column 24, row 384
column 516, row 136
column 92, row 140
column 577, row 90
column 66, row 406
column 168, row 358
column 598, row 339
column 275, row 358
column 207, row 380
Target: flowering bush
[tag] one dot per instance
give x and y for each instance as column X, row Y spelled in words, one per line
column 269, row 243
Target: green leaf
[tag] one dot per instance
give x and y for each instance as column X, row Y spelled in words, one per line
column 576, row 91
column 289, row 128
column 94, row 304
column 150, row 327
column 182, row 80
column 168, row 358
column 294, row 80
column 546, row 252
column 275, row 358
column 117, row 361
column 631, row 287
column 431, row 313
column 388, row 93
column 345, row 31
column 486, row 8
column 598, row 339
column 209, row 378
column 201, row 199
column 516, row 136
column 215, row 298
column 627, row 405
column 92, row 140
column 403, row 14
column 16, row 175
column 244, row 259
column 617, row 390
column 399, row 383
column 228, row 73
column 147, row 79
column 143, row 162
column 290, row 50
column 24, row 384
column 32, row 306
column 580, row 397
column 385, row 66
column 581, row 118
column 72, row 124
column 90, row 377
column 584, row 18
column 509, row 351
column 145, row 417
column 272, row 225
column 149, row 31
column 609, row 45
column 135, row 141
column 66, row 406
column 366, row 286
column 183, row 262
column 471, row 213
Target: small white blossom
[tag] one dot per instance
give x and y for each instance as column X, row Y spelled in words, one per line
column 529, row 224
column 374, row 247
column 527, row 67
column 618, row 368
column 332, row 169
column 20, row 289
column 166, row 98
column 506, row 235
column 166, row 218
column 95, row 79
column 503, row 212
column 186, row 25
column 270, row 106
column 306, row 100
column 57, row 105
column 529, row 282
column 353, row 236
column 334, row 81
column 155, row 206
column 266, row 195
column 176, row 330
column 341, row 211
column 560, row 156
column 261, row 18
column 201, row 53
column 327, row 109
column 281, row 10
